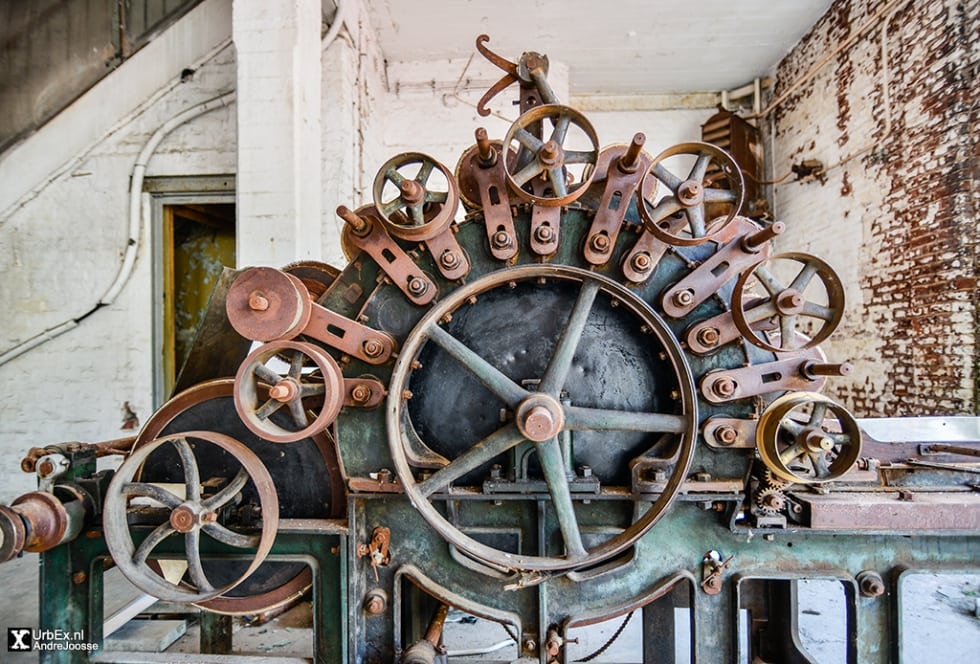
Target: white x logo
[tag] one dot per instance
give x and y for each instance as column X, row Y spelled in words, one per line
column 19, row 636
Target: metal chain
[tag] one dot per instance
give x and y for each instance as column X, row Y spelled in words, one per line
column 612, row 639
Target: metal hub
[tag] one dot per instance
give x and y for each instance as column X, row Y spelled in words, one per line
column 540, row 417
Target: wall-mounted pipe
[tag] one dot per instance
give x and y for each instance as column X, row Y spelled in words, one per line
column 135, row 226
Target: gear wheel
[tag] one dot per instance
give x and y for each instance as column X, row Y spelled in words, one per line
column 770, row 500
column 770, row 480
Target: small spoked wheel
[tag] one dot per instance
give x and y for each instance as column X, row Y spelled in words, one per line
column 707, row 209
column 808, row 438
column 566, row 158
column 187, row 514
column 416, row 196
column 805, row 311
column 302, row 380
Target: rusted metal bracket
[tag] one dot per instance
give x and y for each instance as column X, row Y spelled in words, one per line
column 382, row 481
column 624, row 166
column 370, row 236
column 789, row 373
column 349, row 336
column 545, row 223
column 363, row 392
column 377, row 550
column 531, row 72
column 729, row 432
column 643, row 258
column 450, row 258
column 495, row 200
column 748, row 248
column 712, row 569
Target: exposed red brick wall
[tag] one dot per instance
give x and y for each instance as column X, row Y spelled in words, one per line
column 898, row 220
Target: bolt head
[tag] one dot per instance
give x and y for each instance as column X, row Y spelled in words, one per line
column 600, row 243
column 683, row 298
column 544, row 234
column 417, row 286
column 726, row 435
column 641, row 262
column 372, row 348
column 501, row 240
column 724, row 387
column 361, row 394
column 257, row 301
column 709, row 336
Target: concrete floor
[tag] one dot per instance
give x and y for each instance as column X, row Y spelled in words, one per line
column 940, row 618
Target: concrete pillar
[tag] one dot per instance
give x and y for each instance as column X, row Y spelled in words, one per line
column 279, row 161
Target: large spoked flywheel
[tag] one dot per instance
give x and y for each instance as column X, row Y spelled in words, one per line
column 523, row 371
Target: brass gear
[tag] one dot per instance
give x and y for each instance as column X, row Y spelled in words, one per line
column 770, row 500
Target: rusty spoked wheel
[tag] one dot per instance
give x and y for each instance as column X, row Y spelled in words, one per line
column 416, row 196
column 708, row 210
column 311, row 384
column 541, row 415
column 790, row 309
column 808, row 438
column 189, row 515
column 551, row 158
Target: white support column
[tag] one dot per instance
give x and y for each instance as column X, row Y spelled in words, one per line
column 279, row 161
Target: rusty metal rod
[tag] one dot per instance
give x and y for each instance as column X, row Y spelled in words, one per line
column 434, row 634
column 812, row 370
column 754, row 241
column 629, row 161
column 487, row 155
column 359, row 224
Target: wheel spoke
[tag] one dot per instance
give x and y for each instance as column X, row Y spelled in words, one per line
column 792, row 452
column 524, row 175
column 793, row 426
column 496, row 443
column 160, row 533
column 312, row 389
column 561, row 360
column 146, row 490
column 395, row 177
column 814, row 310
column 296, row 365
column 549, row 454
column 528, row 140
column 695, row 217
column 266, row 374
column 715, row 195
column 299, row 415
column 580, row 156
column 391, row 207
column 768, row 281
column 668, row 178
column 561, row 129
column 417, row 215
column 486, row 373
column 425, row 170
column 268, row 408
column 231, row 538
column 192, row 478
column 230, row 490
column 601, row 419
column 760, row 312
column 700, row 167
column 436, row 196
column 666, row 207
column 787, row 332
column 819, row 462
column 817, row 415
column 192, row 549
column 802, row 279
column 557, row 178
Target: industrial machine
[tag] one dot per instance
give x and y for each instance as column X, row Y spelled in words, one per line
column 596, row 395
